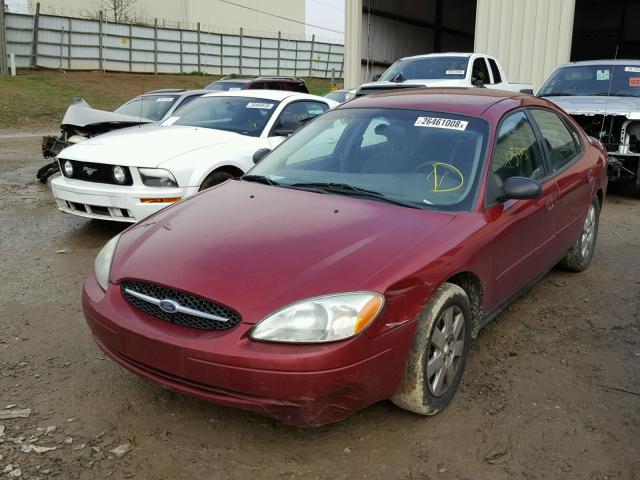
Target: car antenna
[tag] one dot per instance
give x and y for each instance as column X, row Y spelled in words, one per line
column 141, row 101
column 606, row 103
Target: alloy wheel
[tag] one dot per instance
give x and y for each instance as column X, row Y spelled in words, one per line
column 588, row 232
column 446, row 347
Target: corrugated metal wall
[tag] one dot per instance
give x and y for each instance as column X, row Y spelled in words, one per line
column 76, row 44
column 529, row 37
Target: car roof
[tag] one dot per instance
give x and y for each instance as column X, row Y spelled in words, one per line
column 178, row 93
column 465, row 101
column 277, row 95
column 443, row 54
column 601, row 62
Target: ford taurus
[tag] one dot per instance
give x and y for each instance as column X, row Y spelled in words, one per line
column 356, row 261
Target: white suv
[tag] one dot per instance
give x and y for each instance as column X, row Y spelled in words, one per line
column 131, row 173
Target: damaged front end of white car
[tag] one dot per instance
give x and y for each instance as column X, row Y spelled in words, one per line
column 603, row 97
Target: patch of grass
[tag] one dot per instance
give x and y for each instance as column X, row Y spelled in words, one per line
column 37, row 100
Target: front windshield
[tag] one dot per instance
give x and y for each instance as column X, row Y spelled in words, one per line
column 422, row 159
column 153, row 107
column 440, row 68
column 244, row 115
column 224, row 86
column 614, row 80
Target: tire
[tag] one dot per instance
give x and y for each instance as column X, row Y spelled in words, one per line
column 419, row 392
column 215, row 178
column 580, row 254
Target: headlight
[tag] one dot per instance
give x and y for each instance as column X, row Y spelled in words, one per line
column 157, row 177
column 103, row 262
column 119, row 174
column 68, row 168
column 321, row 319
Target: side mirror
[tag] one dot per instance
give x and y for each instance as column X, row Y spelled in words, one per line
column 260, row 154
column 476, row 82
column 520, row 188
column 376, row 77
column 527, row 90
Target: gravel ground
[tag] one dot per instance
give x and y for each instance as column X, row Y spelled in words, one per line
column 552, row 388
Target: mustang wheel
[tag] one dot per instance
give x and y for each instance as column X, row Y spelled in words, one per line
column 214, row 179
column 579, row 255
column 439, row 352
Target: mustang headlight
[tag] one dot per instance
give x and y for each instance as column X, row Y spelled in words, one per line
column 157, row 177
column 321, row 319
column 103, row 262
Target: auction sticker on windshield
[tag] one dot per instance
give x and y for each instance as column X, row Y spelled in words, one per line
column 164, row 99
column 632, row 69
column 454, row 72
column 263, row 106
column 434, row 122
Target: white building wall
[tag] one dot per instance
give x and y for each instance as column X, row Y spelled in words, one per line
column 208, row 12
column 529, row 37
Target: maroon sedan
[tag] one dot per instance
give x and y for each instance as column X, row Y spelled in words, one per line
column 357, row 261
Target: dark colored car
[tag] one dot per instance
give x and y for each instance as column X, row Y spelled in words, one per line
column 290, row 84
column 357, row 261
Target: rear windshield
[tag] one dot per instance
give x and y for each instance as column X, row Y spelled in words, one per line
column 433, row 68
column 600, row 80
column 244, row 115
column 419, row 158
column 225, row 86
column 153, row 107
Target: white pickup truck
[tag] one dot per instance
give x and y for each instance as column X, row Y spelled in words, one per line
column 443, row 70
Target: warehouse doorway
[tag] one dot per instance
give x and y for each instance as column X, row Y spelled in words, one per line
column 600, row 26
column 392, row 29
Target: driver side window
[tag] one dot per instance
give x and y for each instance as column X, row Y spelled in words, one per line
column 296, row 114
column 480, row 71
column 517, row 152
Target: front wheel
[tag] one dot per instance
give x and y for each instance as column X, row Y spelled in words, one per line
column 439, row 353
column 580, row 254
column 214, row 179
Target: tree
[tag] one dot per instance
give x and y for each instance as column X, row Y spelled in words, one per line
column 119, row 11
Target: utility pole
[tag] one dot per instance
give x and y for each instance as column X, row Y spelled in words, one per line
column 3, row 41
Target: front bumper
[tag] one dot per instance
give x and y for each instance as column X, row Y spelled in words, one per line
column 110, row 202
column 301, row 385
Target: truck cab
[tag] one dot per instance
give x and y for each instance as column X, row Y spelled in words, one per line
column 443, row 70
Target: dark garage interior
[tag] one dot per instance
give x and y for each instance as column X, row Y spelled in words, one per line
column 601, row 26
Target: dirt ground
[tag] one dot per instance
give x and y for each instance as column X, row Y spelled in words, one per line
column 552, row 389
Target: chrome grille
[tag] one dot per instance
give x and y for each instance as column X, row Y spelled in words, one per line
column 179, row 307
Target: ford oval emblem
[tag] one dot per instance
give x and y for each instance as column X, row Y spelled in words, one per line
column 168, row 306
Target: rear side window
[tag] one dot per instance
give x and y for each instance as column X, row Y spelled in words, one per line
column 559, row 140
column 298, row 87
column 495, row 71
column 517, row 152
column 258, row 86
column 274, row 86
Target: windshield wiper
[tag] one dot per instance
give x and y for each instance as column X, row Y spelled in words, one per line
column 259, row 179
column 560, row 94
column 399, row 78
column 346, row 189
column 614, row 94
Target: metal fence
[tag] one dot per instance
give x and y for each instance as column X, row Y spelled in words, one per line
column 68, row 43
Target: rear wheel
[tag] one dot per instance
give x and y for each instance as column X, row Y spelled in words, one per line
column 580, row 254
column 215, row 178
column 439, row 353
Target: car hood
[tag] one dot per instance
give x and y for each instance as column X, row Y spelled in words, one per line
column 80, row 114
column 597, row 105
column 257, row 248
column 147, row 146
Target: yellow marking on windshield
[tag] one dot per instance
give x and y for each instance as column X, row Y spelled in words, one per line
column 445, row 169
